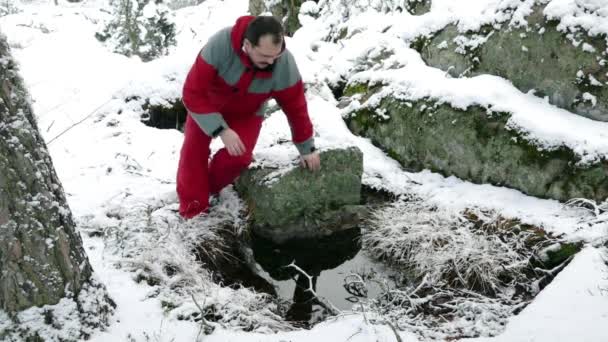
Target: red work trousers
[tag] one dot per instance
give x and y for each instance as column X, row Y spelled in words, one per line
column 197, row 177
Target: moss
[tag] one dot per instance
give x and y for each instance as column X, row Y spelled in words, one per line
column 486, row 29
column 355, row 88
column 299, row 199
column 476, row 146
column 420, row 43
column 584, row 84
column 487, row 126
column 167, row 305
column 363, row 89
column 363, row 120
column 533, row 155
column 557, row 257
column 343, row 33
column 394, row 155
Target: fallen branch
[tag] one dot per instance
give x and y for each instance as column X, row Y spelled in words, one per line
column 327, row 305
column 206, row 327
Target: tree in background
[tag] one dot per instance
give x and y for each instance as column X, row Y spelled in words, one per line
column 9, row 7
column 47, row 288
column 142, row 28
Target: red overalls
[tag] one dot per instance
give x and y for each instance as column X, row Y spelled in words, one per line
column 224, row 89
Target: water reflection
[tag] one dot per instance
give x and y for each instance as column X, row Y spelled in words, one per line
column 313, row 256
column 303, row 300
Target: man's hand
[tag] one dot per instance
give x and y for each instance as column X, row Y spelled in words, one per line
column 311, row 161
column 233, row 143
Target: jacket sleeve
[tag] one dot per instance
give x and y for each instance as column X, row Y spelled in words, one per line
column 289, row 94
column 195, row 94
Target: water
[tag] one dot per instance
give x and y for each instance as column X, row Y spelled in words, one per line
column 329, row 261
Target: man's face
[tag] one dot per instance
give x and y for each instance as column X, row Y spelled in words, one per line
column 265, row 53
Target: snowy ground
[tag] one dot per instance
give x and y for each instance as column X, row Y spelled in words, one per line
column 118, row 172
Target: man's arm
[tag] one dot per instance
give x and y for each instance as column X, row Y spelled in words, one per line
column 289, row 93
column 196, row 87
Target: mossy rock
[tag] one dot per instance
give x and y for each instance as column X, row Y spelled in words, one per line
column 537, row 57
column 360, row 91
column 476, row 145
column 296, row 203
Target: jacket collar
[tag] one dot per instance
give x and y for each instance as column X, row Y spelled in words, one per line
column 237, row 36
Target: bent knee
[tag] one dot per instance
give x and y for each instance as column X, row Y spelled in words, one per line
column 241, row 162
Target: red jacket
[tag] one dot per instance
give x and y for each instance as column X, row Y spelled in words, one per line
column 223, row 83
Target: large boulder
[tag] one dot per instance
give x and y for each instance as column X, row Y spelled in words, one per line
column 476, row 145
column 570, row 69
column 293, row 203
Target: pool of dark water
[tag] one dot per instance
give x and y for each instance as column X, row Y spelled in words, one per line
column 331, row 262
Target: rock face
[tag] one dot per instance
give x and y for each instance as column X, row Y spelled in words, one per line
column 476, row 145
column 295, row 203
column 539, row 57
column 42, row 260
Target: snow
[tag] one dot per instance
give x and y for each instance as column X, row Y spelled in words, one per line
column 590, row 98
column 309, row 7
column 65, row 315
column 136, row 314
column 555, row 314
column 587, row 14
column 350, row 328
column 109, row 163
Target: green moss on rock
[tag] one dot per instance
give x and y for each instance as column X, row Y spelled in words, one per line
column 477, row 145
column 558, row 256
column 298, row 203
column 356, row 88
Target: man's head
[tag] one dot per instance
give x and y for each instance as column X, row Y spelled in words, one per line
column 264, row 41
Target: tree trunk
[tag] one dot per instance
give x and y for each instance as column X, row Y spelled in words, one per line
column 42, row 259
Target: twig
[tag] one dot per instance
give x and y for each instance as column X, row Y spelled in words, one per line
column 79, row 122
column 323, row 302
column 356, row 332
column 554, row 271
column 581, row 202
column 205, row 326
column 394, row 331
column 422, row 283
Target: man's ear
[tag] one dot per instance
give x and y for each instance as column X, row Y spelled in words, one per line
column 247, row 44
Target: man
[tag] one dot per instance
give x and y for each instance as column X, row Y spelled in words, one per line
column 236, row 72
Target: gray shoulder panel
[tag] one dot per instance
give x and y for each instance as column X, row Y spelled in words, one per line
column 286, row 72
column 218, row 48
column 219, row 53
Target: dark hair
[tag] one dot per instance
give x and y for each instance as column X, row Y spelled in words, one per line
column 263, row 25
